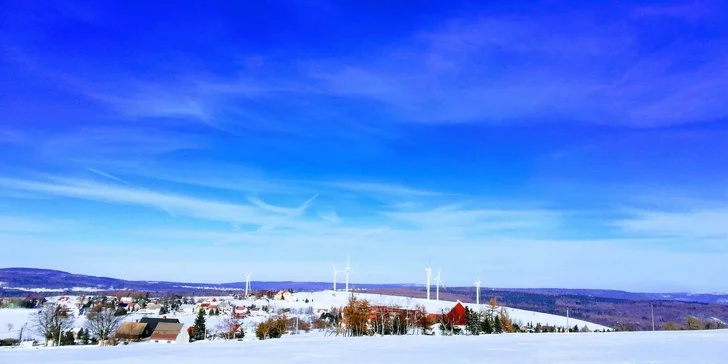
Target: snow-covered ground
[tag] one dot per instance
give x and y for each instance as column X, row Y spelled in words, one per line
column 694, row 347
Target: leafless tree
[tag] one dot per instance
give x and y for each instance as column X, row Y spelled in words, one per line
column 421, row 322
column 102, row 324
column 227, row 327
column 51, row 321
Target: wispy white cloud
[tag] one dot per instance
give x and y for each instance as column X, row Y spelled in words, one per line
column 385, row 189
column 586, row 71
column 27, row 225
column 181, row 205
column 298, row 211
column 688, row 10
column 694, row 225
column 117, row 179
column 330, row 216
column 99, row 143
column 104, row 174
column 477, row 221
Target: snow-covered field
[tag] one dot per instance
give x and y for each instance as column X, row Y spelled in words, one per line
column 694, row 347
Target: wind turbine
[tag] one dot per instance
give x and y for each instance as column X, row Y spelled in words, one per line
column 347, row 271
column 429, row 275
column 247, row 283
column 438, row 283
column 477, row 291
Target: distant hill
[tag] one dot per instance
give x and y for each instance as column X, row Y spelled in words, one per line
column 606, row 307
column 720, row 298
column 47, row 280
column 32, row 279
column 613, row 312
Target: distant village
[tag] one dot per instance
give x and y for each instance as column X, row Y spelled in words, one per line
column 175, row 319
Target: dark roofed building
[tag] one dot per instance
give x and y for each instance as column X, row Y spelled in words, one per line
column 152, row 323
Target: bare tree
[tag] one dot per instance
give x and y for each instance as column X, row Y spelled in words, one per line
column 227, row 327
column 51, row 321
column 102, row 324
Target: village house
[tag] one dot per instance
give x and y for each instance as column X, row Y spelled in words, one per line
column 170, row 333
column 240, row 312
column 131, row 331
column 283, row 295
column 151, row 324
column 153, row 305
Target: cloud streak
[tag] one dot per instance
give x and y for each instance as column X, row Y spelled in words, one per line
column 182, row 205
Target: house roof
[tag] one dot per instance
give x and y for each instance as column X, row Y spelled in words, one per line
column 152, row 323
column 457, row 314
column 166, row 331
column 130, row 330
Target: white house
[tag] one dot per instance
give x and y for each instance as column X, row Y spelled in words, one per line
column 283, row 295
column 170, row 333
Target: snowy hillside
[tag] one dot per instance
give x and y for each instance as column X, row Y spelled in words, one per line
column 328, row 299
column 693, row 347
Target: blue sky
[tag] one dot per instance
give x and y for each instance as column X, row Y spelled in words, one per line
column 532, row 144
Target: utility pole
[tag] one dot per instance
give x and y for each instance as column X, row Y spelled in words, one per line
column 652, row 311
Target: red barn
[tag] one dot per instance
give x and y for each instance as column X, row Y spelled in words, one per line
column 457, row 315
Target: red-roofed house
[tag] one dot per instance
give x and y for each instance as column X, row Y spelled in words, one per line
column 170, row 333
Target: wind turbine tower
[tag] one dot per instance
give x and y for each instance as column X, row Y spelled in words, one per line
column 438, row 283
column 477, row 291
column 429, row 275
column 247, row 283
column 336, row 273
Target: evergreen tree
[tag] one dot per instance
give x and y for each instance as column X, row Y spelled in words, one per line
column 68, row 338
column 486, row 325
column 83, row 336
column 199, row 333
column 471, row 319
column 163, row 310
column 498, row 327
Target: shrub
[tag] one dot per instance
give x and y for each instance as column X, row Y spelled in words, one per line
column 9, row 342
column 356, row 317
column 272, row 328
